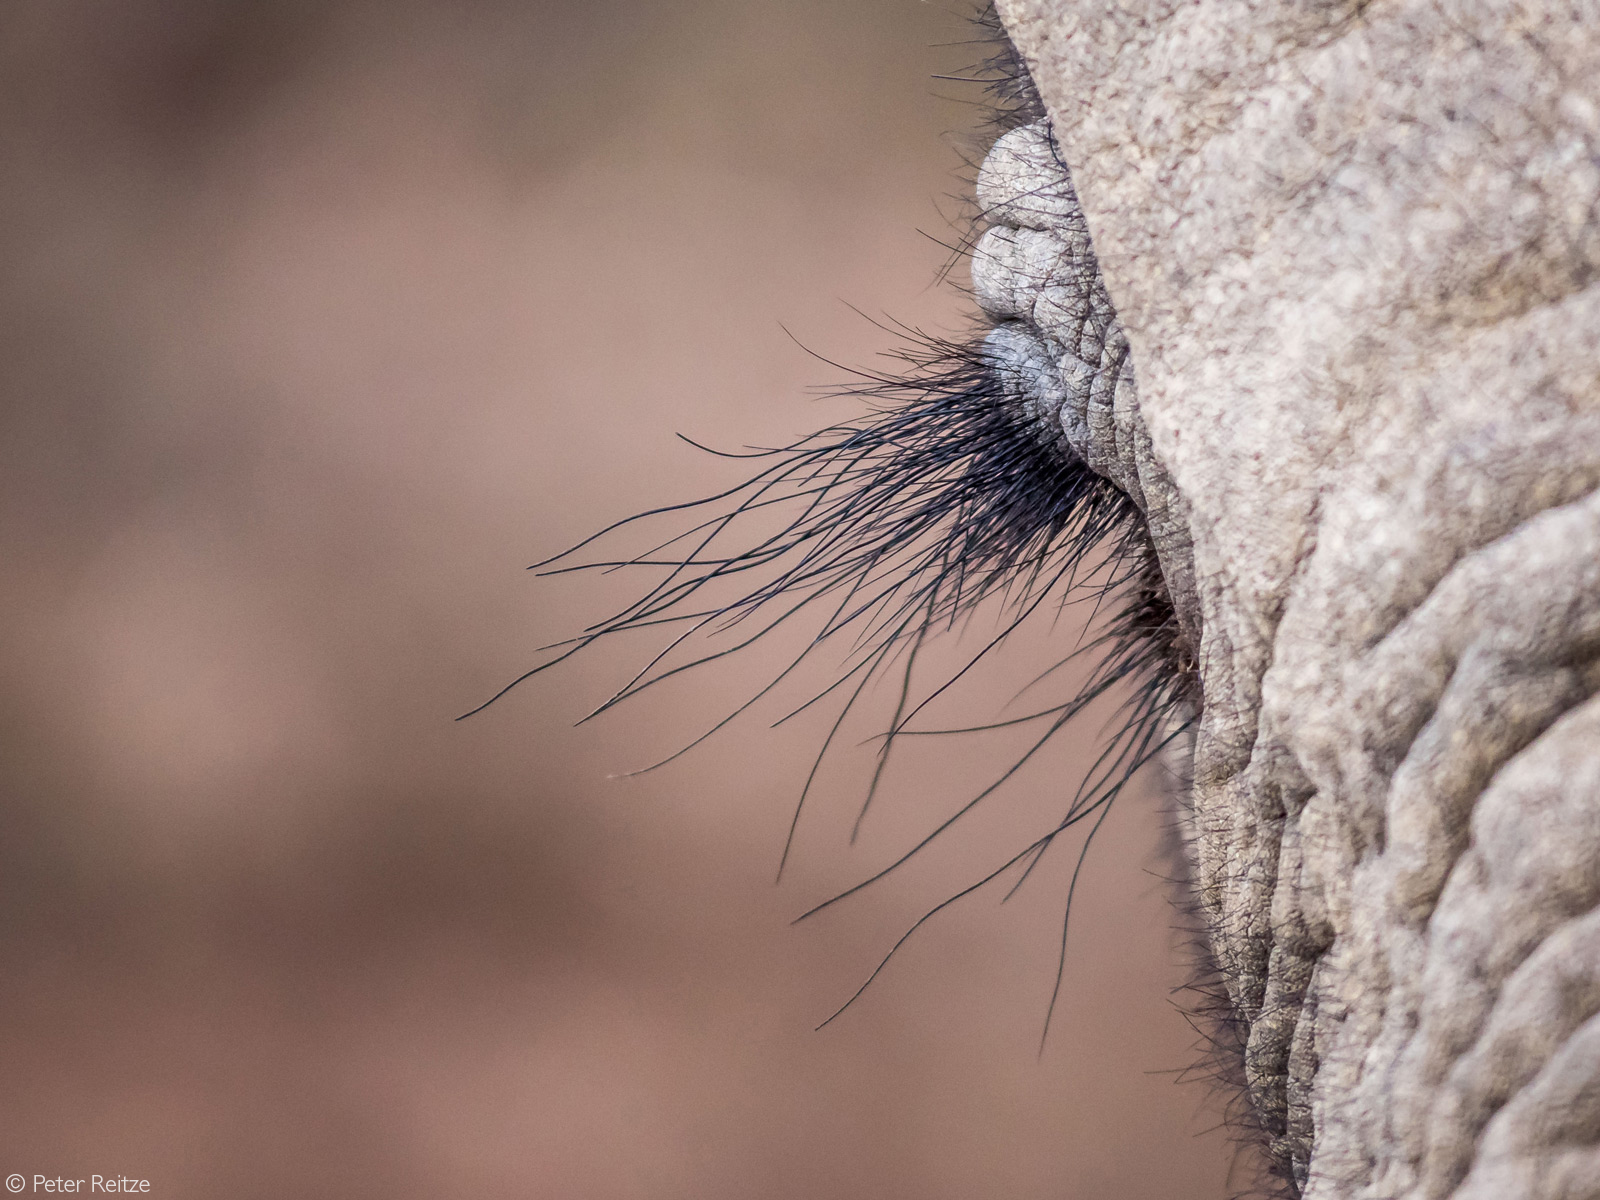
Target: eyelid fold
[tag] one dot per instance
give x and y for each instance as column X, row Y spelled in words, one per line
column 1058, row 347
column 1024, row 184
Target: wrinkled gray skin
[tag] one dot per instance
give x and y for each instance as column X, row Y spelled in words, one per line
column 1353, row 250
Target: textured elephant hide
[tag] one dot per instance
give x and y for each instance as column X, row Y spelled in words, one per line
column 1353, row 250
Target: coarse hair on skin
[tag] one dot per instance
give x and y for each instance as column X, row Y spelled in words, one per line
column 1010, row 98
column 1221, row 1032
column 882, row 531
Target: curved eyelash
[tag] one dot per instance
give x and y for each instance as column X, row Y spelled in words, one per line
column 898, row 525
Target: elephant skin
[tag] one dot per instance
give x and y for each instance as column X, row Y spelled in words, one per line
column 1349, row 253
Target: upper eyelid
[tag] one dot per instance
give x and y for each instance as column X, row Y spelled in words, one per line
column 1058, row 342
column 1023, row 182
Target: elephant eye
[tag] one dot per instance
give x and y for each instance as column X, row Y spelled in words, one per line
column 981, row 473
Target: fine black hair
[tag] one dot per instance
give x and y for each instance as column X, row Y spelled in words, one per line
column 891, row 527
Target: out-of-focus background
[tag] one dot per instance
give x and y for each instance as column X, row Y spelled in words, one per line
column 320, row 320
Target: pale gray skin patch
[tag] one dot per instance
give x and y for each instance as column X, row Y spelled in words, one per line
column 1352, row 251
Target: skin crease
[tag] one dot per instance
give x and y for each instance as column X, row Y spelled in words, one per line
column 1353, row 250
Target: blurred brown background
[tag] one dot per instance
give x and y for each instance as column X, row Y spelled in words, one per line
column 320, row 321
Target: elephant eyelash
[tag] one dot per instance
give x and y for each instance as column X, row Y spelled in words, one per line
column 943, row 497
column 1010, row 98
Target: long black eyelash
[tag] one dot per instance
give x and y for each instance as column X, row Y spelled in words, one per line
column 900, row 524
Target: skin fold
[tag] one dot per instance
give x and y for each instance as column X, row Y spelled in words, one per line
column 1320, row 295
